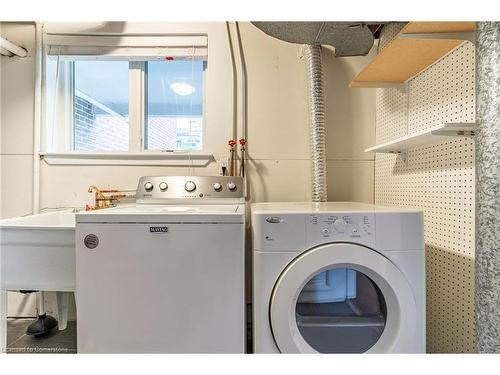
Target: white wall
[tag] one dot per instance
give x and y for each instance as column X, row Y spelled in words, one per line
column 277, row 126
column 350, row 117
column 17, row 81
column 279, row 169
column 16, row 122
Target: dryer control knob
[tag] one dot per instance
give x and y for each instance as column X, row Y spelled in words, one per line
column 163, row 186
column 340, row 225
column 190, row 186
column 231, row 186
column 148, row 186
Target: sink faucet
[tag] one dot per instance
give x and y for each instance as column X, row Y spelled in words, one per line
column 105, row 198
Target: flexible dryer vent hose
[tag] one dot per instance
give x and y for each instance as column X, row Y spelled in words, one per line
column 317, row 122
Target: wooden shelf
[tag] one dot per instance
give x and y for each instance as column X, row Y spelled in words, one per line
column 417, row 46
column 435, row 134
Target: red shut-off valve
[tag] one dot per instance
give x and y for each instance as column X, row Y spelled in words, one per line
column 232, row 161
column 243, row 142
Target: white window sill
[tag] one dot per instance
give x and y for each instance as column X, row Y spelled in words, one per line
column 177, row 159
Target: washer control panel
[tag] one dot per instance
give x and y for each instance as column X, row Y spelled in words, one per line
column 153, row 189
column 352, row 227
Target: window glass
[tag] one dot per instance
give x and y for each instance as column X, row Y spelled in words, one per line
column 174, row 119
column 341, row 310
column 101, row 106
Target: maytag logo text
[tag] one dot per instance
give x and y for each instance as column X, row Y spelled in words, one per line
column 158, row 229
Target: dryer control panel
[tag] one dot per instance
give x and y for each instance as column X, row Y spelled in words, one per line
column 340, row 227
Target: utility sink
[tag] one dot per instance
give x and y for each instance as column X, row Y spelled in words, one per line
column 37, row 252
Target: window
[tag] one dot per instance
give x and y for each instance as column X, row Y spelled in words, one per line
column 100, row 106
column 103, row 99
column 175, row 105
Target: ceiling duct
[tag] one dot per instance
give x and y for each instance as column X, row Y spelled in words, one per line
column 348, row 38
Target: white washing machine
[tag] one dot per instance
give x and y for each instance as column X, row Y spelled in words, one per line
column 337, row 278
column 166, row 274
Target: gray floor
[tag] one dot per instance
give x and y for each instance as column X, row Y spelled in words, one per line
column 55, row 342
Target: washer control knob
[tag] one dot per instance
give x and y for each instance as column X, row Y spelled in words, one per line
column 148, row 186
column 340, row 225
column 231, row 186
column 190, row 186
column 163, row 186
column 217, row 186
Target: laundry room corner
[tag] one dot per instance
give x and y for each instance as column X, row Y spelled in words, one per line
column 191, row 185
column 276, row 114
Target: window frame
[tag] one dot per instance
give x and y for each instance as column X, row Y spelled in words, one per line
column 136, row 154
column 137, row 108
column 137, row 104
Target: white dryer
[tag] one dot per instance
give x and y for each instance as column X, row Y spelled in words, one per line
column 165, row 274
column 338, row 278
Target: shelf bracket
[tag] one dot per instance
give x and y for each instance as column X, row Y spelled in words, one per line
column 404, row 87
column 404, row 157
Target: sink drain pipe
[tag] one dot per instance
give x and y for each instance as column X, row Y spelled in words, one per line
column 317, row 131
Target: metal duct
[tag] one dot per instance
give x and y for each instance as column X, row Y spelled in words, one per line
column 348, row 39
column 317, row 122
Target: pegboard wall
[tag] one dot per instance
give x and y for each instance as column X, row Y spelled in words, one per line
column 440, row 179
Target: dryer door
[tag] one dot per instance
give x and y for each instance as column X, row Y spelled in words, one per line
column 342, row 298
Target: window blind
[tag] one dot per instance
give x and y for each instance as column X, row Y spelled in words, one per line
column 131, row 48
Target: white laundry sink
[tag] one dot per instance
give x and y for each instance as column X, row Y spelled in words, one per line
column 37, row 252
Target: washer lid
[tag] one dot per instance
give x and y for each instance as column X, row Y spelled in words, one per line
column 313, row 312
column 179, row 213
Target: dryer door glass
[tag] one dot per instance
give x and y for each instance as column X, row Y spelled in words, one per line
column 341, row 310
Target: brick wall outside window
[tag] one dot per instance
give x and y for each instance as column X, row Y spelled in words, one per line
column 96, row 130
